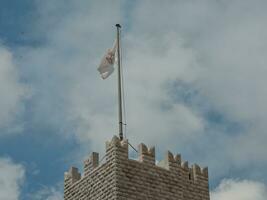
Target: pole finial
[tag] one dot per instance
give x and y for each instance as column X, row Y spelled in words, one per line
column 118, row 25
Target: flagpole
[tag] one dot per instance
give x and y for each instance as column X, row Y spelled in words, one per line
column 119, row 83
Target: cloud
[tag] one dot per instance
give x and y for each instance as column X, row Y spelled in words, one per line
column 46, row 193
column 226, row 50
column 12, row 92
column 183, row 61
column 11, row 179
column 232, row 78
column 68, row 60
column 194, row 72
column 230, row 189
column 75, row 97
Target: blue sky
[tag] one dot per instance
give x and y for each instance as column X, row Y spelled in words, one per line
column 194, row 71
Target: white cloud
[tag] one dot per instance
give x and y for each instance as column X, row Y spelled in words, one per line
column 12, row 91
column 75, row 94
column 218, row 48
column 230, row 189
column 227, row 68
column 46, row 193
column 11, row 179
column 68, row 60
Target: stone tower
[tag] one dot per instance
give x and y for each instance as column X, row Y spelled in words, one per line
column 121, row 178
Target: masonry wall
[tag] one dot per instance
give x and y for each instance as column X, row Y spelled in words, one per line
column 121, row 178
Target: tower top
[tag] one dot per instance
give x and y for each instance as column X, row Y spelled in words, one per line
column 122, row 178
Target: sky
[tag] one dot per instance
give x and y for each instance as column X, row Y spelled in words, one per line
column 195, row 84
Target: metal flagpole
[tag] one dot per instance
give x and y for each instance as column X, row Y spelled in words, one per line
column 119, row 83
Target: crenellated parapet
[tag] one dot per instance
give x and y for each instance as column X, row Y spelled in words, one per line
column 170, row 162
column 205, row 172
column 199, row 173
column 146, row 155
column 91, row 163
column 72, row 176
column 116, row 149
column 121, row 172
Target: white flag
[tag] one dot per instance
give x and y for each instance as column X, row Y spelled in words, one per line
column 106, row 66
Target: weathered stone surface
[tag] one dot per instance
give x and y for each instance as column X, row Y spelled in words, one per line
column 121, row 178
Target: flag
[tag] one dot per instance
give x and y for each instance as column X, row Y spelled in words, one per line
column 106, row 66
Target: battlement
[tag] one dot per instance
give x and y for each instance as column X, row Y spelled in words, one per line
column 91, row 163
column 72, row 175
column 119, row 169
